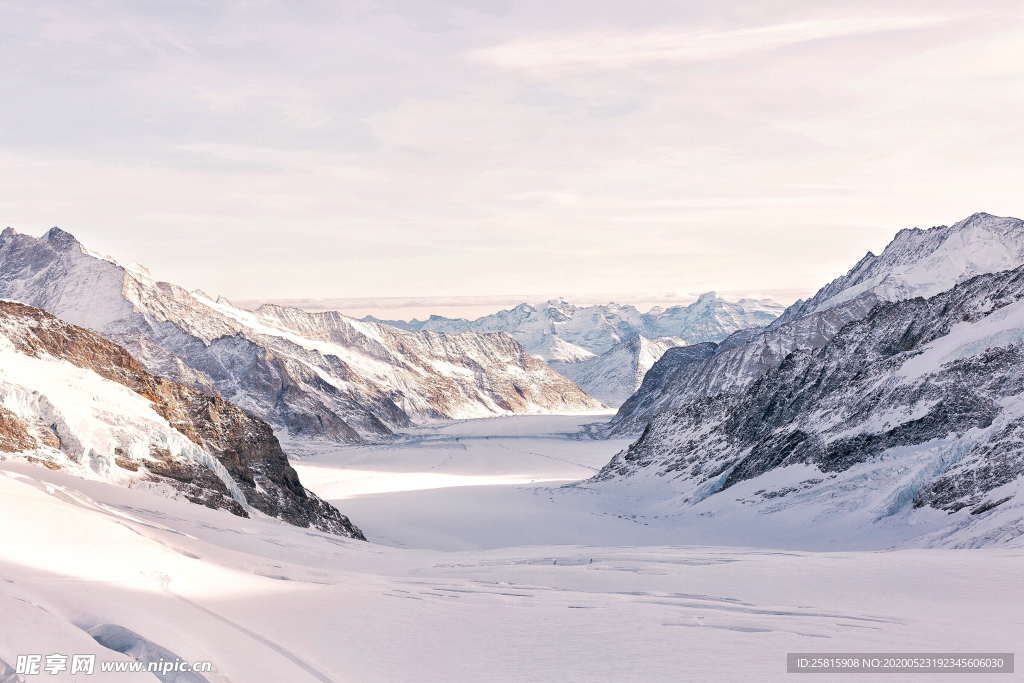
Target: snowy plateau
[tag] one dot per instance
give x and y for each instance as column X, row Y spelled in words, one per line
column 184, row 479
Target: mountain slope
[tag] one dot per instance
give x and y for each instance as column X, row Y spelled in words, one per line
column 914, row 410
column 925, row 262
column 614, row 375
column 70, row 399
column 916, row 263
column 313, row 375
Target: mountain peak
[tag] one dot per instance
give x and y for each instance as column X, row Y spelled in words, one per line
column 978, row 216
column 707, row 297
column 60, row 239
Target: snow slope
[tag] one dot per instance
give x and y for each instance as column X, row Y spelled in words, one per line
column 912, row 414
column 318, row 375
column 71, row 400
column 267, row 602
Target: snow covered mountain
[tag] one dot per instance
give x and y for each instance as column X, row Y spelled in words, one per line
column 916, row 263
column 607, row 349
column 72, row 400
column 559, row 331
column 313, row 375
column 614, row 375
column 924, row 262
column 903, row 416
column 915, row 409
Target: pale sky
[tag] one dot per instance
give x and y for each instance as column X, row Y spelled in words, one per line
column 486, row 147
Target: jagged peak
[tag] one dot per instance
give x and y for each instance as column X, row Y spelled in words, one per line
column 869, row 256
column 60, row 239
column 707, row 297
column 976, row 217
column 272, row 308
column 559, row 304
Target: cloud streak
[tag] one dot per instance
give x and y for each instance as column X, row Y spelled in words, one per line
column 610, row 50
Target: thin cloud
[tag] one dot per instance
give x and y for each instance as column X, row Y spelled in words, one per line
column 606, row 50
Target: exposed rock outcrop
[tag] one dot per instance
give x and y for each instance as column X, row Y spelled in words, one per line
column 229, row 459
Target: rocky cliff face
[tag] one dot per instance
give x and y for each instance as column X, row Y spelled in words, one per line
column 916, row 263
column 735, row 362
column 917, row 406
column 312, row 375
column 70, row 398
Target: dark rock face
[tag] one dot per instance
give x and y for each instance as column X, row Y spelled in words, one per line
column 733, row 364
column 674, row 364
column 943, row 370
column 243, row 444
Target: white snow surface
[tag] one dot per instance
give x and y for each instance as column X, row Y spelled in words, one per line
column 535, row 600
column 94, row 418
column 516, row 481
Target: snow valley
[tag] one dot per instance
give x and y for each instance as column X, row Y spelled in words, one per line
column 549, row 492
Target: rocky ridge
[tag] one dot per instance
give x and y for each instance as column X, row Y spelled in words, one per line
column 916, row 263
column 63, row 404
column 319, row 375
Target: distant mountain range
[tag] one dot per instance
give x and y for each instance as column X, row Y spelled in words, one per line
column 319, row 375
column 891, row 400
column 558, row 330
column 608, row 348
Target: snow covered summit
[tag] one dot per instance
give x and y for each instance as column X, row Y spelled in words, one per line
column 878, row 412
column 916, row 263
column 310, row 375
column 924, row 262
